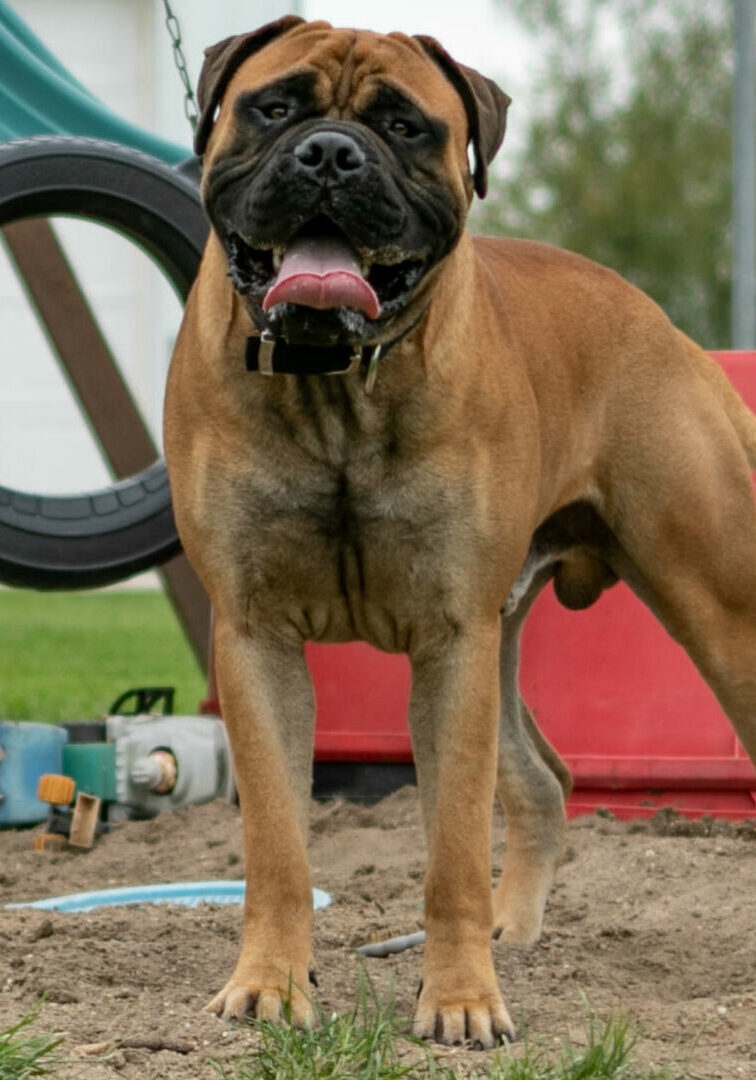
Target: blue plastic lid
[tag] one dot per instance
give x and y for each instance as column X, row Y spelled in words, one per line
column 189, row 893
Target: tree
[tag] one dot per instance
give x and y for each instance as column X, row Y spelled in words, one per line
column 627, row 155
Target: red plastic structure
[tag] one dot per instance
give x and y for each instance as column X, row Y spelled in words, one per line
column 619, row 699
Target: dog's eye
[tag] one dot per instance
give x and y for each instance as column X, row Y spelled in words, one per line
column 276, row 110
column 403, row 128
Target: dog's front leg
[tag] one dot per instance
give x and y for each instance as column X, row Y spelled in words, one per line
column 454, row 716
column 267, row 702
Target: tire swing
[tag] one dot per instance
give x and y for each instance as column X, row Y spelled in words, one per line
column 95, row 538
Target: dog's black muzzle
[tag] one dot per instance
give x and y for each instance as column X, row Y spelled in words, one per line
column 331, row 169
column 335, row 179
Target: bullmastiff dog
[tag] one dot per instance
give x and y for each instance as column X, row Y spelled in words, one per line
column 381, row 428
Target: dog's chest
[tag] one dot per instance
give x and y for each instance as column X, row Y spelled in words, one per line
column 342, row 530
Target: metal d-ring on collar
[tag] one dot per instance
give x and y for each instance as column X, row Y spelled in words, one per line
column 274, row 356
column 372, row 371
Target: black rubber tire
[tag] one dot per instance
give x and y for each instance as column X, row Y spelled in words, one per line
column 96, row 538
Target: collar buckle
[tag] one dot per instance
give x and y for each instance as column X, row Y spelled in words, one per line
column 265, row 354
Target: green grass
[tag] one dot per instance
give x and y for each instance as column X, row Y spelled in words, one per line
column 370, row 1043
column 67, row 656
column 606, row 1055
column 360, row 1045
column 24, row 1056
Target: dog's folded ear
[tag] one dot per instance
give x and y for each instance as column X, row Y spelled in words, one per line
column 221, row 61
column 485, row 104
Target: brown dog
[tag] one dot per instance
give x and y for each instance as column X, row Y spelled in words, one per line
column 527, row 416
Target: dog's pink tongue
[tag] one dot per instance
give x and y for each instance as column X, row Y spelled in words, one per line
column 322, row 272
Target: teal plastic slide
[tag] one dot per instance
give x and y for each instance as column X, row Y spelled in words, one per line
column 39, row 97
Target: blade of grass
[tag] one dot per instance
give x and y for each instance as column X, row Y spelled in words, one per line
column 24, row 1056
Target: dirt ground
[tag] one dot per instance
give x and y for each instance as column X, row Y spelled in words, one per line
column 656, row 918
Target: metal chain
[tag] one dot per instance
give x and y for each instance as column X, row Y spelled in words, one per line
column 174, row 30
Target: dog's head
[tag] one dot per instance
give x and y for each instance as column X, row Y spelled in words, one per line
column 336, row 172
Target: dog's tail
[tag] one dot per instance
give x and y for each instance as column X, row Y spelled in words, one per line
column 740, row 416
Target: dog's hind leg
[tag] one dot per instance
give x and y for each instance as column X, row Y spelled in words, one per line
column 685, row 521
column 268, row 706
column 711, row 612
column 532, row 784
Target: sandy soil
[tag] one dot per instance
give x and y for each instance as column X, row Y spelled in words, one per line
column 658, row 919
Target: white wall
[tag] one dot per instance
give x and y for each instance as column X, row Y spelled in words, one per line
column 121, row 51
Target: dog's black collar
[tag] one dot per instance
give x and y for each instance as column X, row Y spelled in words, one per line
column 274, row 356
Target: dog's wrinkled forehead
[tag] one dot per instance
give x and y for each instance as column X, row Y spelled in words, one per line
column 345, row 69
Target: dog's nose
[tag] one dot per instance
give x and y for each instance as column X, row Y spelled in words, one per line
column 330, row 152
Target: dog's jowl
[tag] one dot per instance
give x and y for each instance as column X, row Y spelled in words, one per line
column 380, row 428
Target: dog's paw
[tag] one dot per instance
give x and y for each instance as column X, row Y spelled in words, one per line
column 481, row 1024
column 248, row 997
